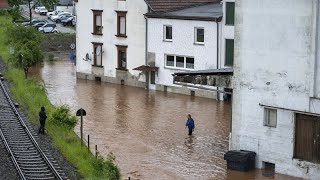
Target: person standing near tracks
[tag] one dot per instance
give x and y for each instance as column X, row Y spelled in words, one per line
column 42, row 119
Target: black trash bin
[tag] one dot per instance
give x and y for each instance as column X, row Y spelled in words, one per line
column 240, row 160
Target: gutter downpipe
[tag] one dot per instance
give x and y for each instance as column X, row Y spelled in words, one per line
column 146, row 53
column 217, row 53
column 316, row 53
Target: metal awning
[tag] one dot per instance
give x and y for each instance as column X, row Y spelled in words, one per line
column 146, row 68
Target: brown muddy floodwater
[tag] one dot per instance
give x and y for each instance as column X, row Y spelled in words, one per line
column 145, row 130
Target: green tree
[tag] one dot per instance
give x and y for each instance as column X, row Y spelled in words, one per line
column 13, row 3
column 26, row 41
column 49, row 4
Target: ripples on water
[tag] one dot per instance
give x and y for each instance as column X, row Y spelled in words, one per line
column 146, row 129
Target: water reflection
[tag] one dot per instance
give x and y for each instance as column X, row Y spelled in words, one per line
column 146, row 130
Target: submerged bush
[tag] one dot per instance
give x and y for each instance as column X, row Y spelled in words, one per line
column 106, row 167
column 63, row 116
column 50, row 56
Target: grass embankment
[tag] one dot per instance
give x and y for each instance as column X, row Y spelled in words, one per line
column 31, row 95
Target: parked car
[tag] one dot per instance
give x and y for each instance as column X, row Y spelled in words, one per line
column 43, row 11
column 54, row 17
column 48, row 28
column 39, row 24
column 67, row 21
column 33, row 22
column 61, row 17
column 54, row 13
column 37, row 9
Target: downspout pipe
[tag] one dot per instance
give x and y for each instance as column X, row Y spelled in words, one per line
column 316, row 51
column 146, row 53
column 217, row 63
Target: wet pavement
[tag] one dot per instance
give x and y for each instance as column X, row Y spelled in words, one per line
column 145, row 130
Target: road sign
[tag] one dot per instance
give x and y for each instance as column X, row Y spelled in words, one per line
column 81, row 112
column 72, row 46
column 11, row 50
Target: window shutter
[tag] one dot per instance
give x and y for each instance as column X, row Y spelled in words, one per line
column 229, row 52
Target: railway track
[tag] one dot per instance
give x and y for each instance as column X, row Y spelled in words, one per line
column 29, row 160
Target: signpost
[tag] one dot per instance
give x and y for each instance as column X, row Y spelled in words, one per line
column 12, row 50
column 81, row 112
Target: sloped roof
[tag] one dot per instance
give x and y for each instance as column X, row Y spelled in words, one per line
column 4, row 4
column 209, row 12
column 168, row 5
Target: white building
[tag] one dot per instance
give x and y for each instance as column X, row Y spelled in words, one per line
column 184, row 40
column 276, row 90
column 111, row 38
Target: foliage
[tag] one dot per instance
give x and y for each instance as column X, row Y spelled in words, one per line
column 31, row 95
column 15, row 13
column 14, row 3
column 26, row 41
column 62, row 115
column 3, row 12
column 106, row 167
column 49, row 4
column 50, row 56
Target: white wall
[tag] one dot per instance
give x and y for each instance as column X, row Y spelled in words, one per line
column 182, row 44
column 272, row 65
column 135, row 34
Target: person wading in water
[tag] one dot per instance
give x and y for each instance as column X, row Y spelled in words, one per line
column 42, row 119
column 190, row 124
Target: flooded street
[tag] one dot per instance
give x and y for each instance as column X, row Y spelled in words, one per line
column 145, row 130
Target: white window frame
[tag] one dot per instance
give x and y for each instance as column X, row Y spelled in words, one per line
column 266, row 119
column 196, row 35
column 175, row 61
column 165, row 33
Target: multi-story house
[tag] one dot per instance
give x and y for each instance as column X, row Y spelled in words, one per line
column 112, row 38
column 276, row 87
column 184, row 40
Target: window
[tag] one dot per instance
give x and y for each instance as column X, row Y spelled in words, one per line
column 122, row 21
column 97, row 22
column 230, row 13
column 97, row 54
column 307, row 138
column 190, row 63
column 270, row 117
column 199, row 35
column 181, row 62
column 167, row 33
column 122, row 57
column 229, row 52
column 170, row 60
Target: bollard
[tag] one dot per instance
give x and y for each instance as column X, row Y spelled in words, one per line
column 88, row 143
column 96, row 151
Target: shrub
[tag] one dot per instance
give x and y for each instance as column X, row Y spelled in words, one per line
column 106, row 167
column 50, row 56
column 15, row 13
column 63, row 116
column 26, row 41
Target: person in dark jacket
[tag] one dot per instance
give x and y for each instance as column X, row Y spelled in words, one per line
column 42, row 119
column 190, row 124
